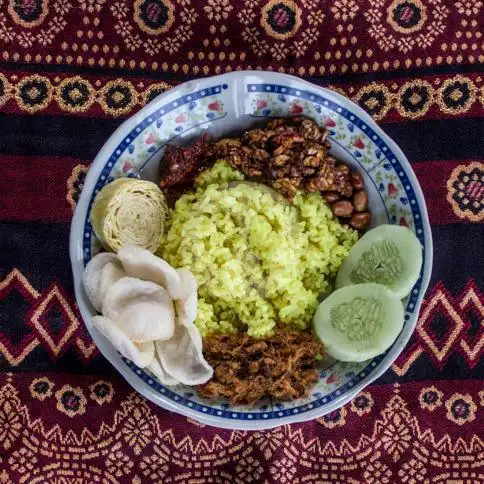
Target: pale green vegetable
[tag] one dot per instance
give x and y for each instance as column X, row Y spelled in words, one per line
column 358, row 322
column 128, row 211
column 257, row 258
column 388, row 254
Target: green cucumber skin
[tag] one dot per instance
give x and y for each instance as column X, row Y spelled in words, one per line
column 337, row 345
column 409, row 248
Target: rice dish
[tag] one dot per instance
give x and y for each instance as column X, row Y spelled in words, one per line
column 258, row 260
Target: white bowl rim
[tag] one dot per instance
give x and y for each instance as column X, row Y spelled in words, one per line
column 122, row 367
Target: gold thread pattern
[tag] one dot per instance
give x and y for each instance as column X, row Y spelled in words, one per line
column 155, row 90
column 337, row 418
column 393, row 433
column 41, row 388
column 456, row 95
column 397, row 30
column 280, row 20
column 430, row 398
column 118, row 97
column 71, row 401
column 75, row 183
column 362, row 403
column 49, row 20
column 101, row 392
column 406, row 16
column 218, row 9
column 153, row 27
column 4, row 89
column 39, row 305
column 344, row 10
column 34, row 93
column 21, row 12
column 154, row 17
column 461, row 409
column 375, row 99
column 465, row 191
column 75, row 95
column 55, row 345
column 414, row 99
column 455, row 310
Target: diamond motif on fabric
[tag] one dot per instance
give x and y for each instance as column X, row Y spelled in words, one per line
column 462, row 331
column 16, row 351
column 440, row 347
column 54, row 334
column 472, row 342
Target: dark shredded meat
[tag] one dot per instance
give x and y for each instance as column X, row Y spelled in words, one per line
column 246, row 369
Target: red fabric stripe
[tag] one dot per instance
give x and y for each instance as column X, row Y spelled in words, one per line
column 35, row 188
column 24, row 198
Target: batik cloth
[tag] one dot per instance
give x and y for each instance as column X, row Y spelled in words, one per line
column 71, row 71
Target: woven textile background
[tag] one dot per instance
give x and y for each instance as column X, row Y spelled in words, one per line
column 71, row 71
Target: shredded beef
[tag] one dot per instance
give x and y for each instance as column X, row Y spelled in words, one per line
column 246, row 369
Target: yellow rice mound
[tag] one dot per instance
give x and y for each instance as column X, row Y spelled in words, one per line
column 257, row 258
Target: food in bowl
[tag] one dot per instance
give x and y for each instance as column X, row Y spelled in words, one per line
column 290, row 154
column 247, row 369
column 148, row 309
column 128, row 211
column 390, row 255
column 259, row 227
column 359, row 322
column 258, row 259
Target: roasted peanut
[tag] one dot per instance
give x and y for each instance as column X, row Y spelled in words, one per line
column 287, row 187
column 331, row 197
column 360, row 221
column 357, row 180
column 360, row 201
column 343, row 208
column 293, row 153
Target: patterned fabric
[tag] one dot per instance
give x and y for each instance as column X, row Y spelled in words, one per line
column 71, row 71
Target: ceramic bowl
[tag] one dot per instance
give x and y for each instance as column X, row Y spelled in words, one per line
column 230, row 103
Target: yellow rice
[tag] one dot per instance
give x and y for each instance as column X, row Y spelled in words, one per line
column 257, row 259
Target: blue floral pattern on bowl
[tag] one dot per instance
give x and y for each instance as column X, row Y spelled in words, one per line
column 235, row 103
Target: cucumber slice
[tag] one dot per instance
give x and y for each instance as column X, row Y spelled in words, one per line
column 390, row 255
column 358, row 322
